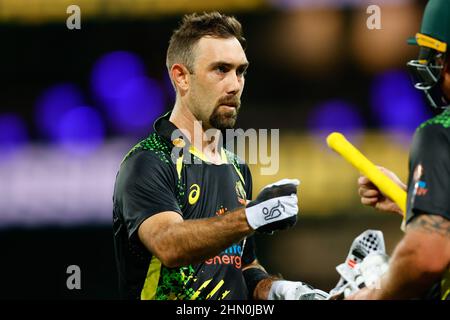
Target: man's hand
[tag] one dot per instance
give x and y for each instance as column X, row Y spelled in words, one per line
column 419, row 261
column 275, row 208
column 295, row 290
column 372, row 196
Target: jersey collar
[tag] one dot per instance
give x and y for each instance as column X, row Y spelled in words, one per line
column 164, row 128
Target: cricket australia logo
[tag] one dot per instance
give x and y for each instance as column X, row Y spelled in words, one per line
column 274, row 212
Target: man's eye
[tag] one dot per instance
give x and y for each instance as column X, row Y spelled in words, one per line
column 222, row 69
column 242, row 72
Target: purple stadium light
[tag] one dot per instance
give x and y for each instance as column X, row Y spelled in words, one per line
column 81, row 131
column 132, row 100
column 139, row 103
column 335, row 115
column 170, row 91
column 395, row 103
column 52, row 104
column 112, row 70
column 13, row 134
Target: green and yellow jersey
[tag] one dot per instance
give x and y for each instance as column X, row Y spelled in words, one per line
column 152, row 179
column 429, row 180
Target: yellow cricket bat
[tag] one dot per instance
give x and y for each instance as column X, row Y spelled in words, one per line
column 340, row 144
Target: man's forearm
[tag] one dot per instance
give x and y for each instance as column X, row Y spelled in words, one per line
column 193, row 241
column 404, row 280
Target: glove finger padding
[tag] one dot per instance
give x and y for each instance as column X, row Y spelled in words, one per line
column 281, row 188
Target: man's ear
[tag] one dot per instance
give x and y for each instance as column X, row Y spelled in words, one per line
column 180, row 76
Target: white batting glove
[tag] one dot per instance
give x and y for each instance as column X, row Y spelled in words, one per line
column 295, row 290
column 275, row 208
column 372, row 268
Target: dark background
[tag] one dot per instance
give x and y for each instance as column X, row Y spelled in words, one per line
column 279, row 93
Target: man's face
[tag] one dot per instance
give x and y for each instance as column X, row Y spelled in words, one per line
column 216, row 85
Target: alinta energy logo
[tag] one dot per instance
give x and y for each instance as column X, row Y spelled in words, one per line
column 230, row 256
column 251, row 144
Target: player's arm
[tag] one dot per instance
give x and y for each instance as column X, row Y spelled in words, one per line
column 178, row 242
column 263, row 286
column 419, row 260
column 258, row 280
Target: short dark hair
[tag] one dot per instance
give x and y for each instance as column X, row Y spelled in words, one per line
column 195, row 26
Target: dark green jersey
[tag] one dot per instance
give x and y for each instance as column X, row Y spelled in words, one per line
column 152, row 180
column 429, row 178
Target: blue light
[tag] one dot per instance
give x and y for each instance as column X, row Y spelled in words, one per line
column 13, row 134
column 170, row 90
column 397, row 106
column 53, row 104
column 335, row 115
column 112, row 70
column 139, row 103
column 81, row 131
column 132, row 101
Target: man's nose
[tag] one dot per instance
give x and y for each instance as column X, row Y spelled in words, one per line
column 234, row 84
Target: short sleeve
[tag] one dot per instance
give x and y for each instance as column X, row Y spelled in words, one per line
column 145, row 186
column 429, row 172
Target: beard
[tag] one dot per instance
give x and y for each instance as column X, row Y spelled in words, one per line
column 225, row 119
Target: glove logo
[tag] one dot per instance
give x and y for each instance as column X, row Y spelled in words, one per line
column 194, row 194
column 274, row 212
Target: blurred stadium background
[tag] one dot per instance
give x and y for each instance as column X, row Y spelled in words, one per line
column 72, row 102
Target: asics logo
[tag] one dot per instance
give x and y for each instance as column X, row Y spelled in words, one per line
column 194, row 194
column 274, row 212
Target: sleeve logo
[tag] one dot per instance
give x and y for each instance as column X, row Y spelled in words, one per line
column 420, row 186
